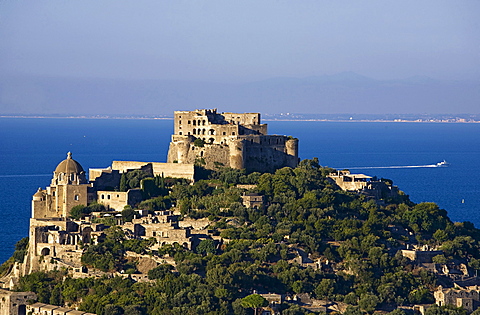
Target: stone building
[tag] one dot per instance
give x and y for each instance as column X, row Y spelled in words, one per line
column 42, row 309
column 253, row 200
column 15, row 303
column 468, row 299
column 363, row 184
column 69, row 187
column 229, row 139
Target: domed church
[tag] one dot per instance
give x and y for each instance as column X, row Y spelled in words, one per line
column 69, row 187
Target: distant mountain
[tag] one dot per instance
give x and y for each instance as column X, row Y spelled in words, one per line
column 345, row 92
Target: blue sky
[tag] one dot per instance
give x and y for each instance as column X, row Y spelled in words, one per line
column 240, row 41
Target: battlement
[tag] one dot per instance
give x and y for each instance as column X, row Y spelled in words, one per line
column 213, row 127
column 237, row 140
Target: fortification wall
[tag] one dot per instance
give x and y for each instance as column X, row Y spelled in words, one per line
column 210, row 154
column 177, row 170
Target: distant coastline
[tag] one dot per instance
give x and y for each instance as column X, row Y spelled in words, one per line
column 463, row 118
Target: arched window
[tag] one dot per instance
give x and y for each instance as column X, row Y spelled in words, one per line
column 194, row 122
column 77, row 197
column 194, row 131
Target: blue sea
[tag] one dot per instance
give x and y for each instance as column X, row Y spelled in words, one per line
column 30, row 149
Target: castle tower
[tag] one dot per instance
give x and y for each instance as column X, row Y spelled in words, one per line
column 237, row 140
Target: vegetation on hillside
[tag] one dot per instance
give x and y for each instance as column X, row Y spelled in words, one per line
column 356, row 241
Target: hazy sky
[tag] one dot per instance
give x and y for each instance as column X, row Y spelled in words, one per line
column 239, row 41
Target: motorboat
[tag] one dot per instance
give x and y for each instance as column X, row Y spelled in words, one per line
column 442, row 164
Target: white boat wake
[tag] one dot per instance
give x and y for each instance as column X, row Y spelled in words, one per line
column 439, row 164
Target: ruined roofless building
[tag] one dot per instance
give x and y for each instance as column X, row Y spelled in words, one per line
column 229, row 139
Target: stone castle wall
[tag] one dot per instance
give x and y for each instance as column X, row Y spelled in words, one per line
column 166, row 169
column 230, row 139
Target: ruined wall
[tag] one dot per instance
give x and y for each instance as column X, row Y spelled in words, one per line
column 170, row 169
column 117, row 200
column 165, row 233
column 468, row 299
column 104, row 178
column 268, row 153
column 210, row 154
column 14, row 303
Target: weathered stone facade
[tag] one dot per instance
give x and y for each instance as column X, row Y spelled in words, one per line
column 363, row 184
column 15, row 303
column 229, row 139
column 468, row 299
column 42, row 309
column 69, row 186
column 253, row 200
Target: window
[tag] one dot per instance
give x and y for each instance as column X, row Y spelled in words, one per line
column 108, row 196
column 77, row 197
column 103, row 196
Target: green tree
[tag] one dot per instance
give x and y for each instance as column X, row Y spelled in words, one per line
column 77, row 212
column 128, row 214
column 199, row 143
column 111, row 309
column 325, row 288
column 368, row 302
column 254, row 301
column 206, row 246
column 123, row 182
column 353, row 310
column 20, row 250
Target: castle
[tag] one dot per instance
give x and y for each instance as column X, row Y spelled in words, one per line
column 234, row 140
column 200, row 137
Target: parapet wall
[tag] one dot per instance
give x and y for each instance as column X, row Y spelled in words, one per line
column 176, row 170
